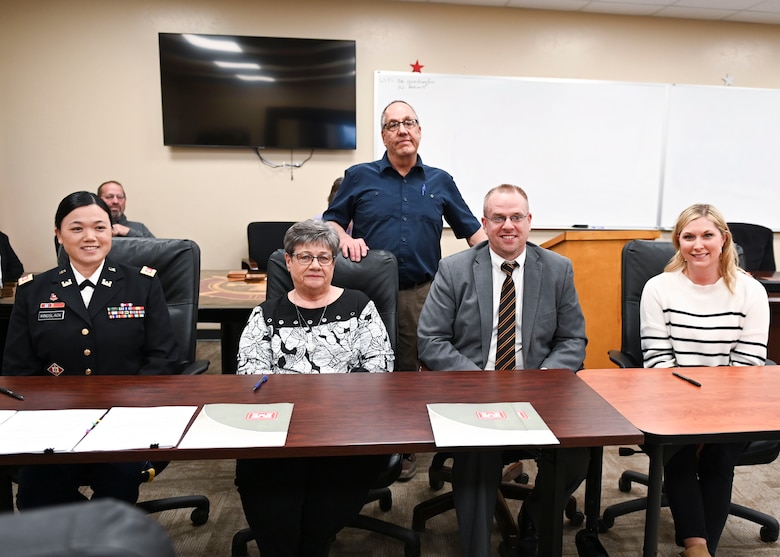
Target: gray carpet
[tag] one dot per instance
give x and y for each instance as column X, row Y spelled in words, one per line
column 757, row 486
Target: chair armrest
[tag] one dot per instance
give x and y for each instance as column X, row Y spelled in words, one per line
column 195, row 368
column 759, row 452
column 621, row 359
column 249, row 263
column 390, row 473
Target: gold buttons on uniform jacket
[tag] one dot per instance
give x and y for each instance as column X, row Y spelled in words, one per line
column 85, row 331
column 87, row 352
column 87, row 371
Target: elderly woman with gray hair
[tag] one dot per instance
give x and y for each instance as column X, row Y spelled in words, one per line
column 295, row 506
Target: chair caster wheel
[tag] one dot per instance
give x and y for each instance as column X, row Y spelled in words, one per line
column 768, row 534
column 588, row 545
column 522, row 479
column 624, row 485
column 199, row 517
column 577, row 518
column 386, row 503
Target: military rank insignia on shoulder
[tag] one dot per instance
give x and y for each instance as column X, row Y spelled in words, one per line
column 148, row 271
column 25, row 279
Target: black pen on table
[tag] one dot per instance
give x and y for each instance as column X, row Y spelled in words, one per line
column 10, row 393
column 688, row 379
column 259, row 384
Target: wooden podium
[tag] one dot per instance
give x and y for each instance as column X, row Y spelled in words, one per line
column 596, row 257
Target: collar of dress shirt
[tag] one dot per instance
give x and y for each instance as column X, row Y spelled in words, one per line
column 93, row 278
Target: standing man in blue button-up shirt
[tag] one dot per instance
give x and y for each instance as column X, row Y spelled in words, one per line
column 397, row 204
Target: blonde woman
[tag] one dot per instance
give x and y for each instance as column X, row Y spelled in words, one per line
column 703, row 310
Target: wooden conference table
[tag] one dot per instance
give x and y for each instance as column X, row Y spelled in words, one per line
column 732, row 404
column 228, row 303
column 770, row 280
column 343, row 414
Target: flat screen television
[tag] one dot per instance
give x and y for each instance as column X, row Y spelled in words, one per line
column 259, row 92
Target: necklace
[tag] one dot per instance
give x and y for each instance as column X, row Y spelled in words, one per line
column 307, row 327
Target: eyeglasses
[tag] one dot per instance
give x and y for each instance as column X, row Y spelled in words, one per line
column 307, row 259
column 500, row 220
column 394, row 125
column 112, row 196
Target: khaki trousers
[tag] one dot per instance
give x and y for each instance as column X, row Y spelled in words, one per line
column 410, row 303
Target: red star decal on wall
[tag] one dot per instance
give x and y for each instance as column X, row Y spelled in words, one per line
column 417, row 67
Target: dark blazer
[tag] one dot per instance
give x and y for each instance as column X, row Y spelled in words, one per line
column 126, row 330
column 11, row 265
column 455, row 326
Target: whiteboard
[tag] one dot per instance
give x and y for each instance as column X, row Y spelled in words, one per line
column 586, row 152
column 723, row 148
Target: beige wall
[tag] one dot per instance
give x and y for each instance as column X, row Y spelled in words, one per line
column 80, row 97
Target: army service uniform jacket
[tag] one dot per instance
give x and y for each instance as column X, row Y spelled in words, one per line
column 125, row 331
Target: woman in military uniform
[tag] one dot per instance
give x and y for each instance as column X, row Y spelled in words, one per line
column 90, row 316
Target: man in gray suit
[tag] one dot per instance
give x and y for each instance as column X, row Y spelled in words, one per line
column 458, row 331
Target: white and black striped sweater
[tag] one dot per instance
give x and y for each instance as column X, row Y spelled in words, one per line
column 684, row 324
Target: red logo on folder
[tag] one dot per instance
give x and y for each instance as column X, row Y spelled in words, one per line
column 491, row 415
column 262, row 415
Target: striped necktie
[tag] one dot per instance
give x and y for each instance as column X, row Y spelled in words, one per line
column 505, row 342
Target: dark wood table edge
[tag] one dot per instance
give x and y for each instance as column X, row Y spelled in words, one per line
column 550, row 534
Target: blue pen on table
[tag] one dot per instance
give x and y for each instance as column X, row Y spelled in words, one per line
column 259, row 384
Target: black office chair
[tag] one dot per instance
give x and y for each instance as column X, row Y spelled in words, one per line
column 758, row 243
column 263, row 239
column 105, row 528
column 178, row 268
column 377, row 276
column 642, row 260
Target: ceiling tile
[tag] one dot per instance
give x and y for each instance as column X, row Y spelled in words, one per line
column 750, row 11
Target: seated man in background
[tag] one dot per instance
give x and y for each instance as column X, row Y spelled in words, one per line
column 541, row 327
column 10, row 270
column 11, row 267
column 113, row 194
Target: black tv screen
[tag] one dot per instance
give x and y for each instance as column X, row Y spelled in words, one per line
column 269, row 92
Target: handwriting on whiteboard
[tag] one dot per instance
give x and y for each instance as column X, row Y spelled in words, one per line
column 407, row 83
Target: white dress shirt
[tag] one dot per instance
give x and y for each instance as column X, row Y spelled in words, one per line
column 86, row 293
